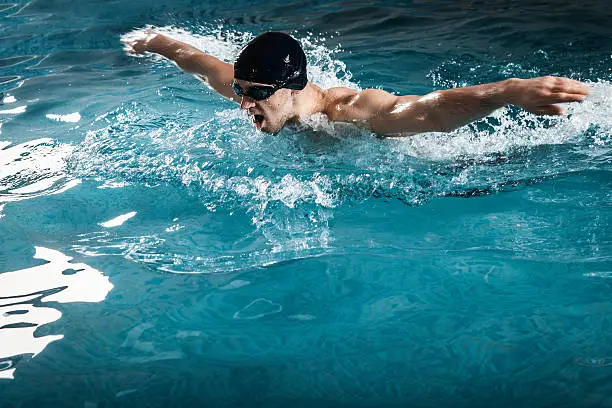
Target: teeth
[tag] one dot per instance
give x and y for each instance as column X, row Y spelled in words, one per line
column 254, row 118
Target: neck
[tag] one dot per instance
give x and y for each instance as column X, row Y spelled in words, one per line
column 309, row 101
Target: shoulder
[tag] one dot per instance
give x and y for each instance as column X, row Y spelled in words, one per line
column 340, row 92
column 348, row 95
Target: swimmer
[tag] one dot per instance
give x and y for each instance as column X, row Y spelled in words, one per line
column 269, row 82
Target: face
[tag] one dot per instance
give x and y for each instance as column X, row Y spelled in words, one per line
column 271, row 114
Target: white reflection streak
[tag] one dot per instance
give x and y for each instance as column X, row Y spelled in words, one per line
column 9, row 99
column 80, row 283
column 70, row 117
column 17, row 110
column 117, row 221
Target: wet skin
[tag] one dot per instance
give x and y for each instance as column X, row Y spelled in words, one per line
column 381, row 112
column 268, row 115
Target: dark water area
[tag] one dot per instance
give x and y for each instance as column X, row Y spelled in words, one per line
column 156, row 251
column 540, row 34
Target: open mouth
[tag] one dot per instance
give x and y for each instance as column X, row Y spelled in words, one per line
column 258, row 120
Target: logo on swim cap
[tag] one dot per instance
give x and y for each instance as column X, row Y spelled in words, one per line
column 273, row 58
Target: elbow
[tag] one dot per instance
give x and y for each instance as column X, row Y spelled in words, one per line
column 425, row 114
column 431, row 115
column 412, row 117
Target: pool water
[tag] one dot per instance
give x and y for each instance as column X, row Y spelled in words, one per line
column 155, row 250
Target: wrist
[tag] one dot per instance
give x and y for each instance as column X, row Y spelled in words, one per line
column 510, row 91
column 154, row 43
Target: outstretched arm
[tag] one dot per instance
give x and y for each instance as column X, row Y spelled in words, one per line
column 443, row 111
column 217, row 74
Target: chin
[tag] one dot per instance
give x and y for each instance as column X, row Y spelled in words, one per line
column 270, row 131
column 269, row 127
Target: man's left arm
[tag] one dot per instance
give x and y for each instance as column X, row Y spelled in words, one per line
column 446, row 110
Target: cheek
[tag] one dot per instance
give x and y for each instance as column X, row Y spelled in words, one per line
column 281, row 103
column 277, row 107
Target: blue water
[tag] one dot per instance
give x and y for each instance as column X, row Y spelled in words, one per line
column 155, row 250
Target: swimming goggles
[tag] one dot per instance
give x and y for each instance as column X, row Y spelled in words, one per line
column 255, row 92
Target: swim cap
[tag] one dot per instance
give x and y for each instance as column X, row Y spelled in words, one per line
column 273, row 58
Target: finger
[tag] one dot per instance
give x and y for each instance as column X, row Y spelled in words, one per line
column 562, row 97
column 548, row 110
column 571, row 86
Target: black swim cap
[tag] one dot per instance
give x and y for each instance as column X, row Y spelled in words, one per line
column 273, row 58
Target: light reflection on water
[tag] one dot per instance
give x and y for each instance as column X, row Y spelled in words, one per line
column 33, row 169
column 21, row 291
column 254, row 268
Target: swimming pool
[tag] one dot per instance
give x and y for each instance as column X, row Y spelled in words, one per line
column 155, row 250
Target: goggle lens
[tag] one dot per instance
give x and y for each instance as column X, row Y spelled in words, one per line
column 258, row 93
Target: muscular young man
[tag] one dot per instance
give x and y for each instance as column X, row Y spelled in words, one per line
column 269, row 81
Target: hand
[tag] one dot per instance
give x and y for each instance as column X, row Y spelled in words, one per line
column 538, row 95
column 140, row 44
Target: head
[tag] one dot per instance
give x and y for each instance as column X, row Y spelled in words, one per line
column 268, row 74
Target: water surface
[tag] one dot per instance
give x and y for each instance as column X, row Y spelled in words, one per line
column 155, row 250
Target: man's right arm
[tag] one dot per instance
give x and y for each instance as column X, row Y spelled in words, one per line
column 446, row 110
column 215, row 73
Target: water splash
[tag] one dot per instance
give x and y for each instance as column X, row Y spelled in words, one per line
column 290, row 184
column 33, row 169
column 323, row 68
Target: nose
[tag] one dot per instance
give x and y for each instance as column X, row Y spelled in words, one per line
column 246, row 103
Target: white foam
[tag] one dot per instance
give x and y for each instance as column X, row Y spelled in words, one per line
column 33, row 168
column 323, row 69
column 525, row 131
column 174, row 228
column 212, row 44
